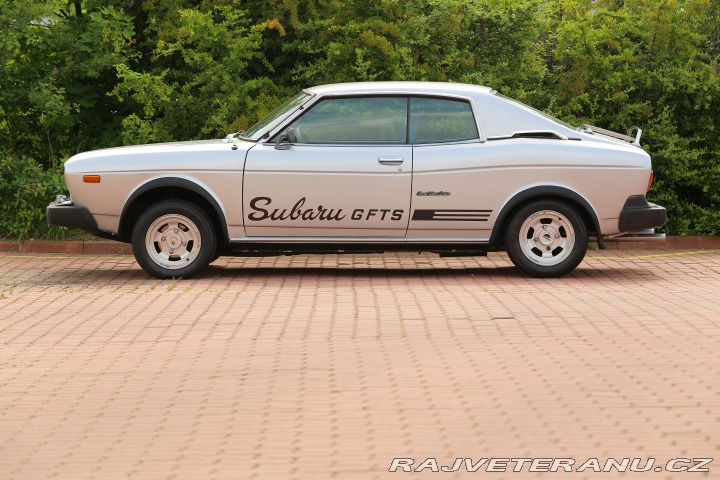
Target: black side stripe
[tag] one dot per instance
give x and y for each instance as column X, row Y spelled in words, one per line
column 452, row 215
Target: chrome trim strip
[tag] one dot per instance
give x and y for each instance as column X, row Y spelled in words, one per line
column 524, row 166
column 520, row 133
column 354, row 240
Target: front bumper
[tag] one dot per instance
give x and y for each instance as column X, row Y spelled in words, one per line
column 64, row 214
column 638, row 214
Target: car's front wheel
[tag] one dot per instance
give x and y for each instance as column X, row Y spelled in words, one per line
column 546, row 238
column 174, row 239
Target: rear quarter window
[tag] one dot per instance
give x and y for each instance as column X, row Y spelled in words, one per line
column 435, row 120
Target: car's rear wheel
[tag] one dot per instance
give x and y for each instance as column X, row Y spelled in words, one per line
column 174, row 239
column 546, row 238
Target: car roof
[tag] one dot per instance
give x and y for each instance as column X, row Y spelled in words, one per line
column 422, row 88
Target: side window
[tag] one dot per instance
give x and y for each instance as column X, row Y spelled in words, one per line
column 434, row 120
column 353, row 120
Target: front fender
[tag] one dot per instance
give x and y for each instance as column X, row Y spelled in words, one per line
column 177, row 185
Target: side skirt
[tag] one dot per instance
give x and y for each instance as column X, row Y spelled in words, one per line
column 285, row 246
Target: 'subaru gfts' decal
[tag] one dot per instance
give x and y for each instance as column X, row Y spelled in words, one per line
column 261, row 211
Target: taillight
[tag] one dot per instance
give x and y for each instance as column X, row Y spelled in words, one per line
column 652, row 177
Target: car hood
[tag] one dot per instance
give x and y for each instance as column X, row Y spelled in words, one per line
column 192, row 155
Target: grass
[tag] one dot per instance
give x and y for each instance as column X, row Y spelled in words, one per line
column 62, row 236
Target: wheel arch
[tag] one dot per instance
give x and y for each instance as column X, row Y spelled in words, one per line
column 545, row 192
column 171, row 188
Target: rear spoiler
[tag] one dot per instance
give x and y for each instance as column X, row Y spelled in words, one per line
column 632, row 136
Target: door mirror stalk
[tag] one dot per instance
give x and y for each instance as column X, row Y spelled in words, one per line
column 286, row 139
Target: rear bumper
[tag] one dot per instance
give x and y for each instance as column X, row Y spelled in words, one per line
column 638, row 214
column 68, row 215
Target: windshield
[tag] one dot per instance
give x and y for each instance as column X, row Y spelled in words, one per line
column 549, row 117
column 257, row 131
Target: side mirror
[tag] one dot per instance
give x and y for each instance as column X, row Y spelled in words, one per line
column 286, row 139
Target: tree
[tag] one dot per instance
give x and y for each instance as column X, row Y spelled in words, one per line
column 84, row 74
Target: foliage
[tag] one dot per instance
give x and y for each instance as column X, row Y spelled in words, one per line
column 26, row 187
column 203, row 77
column 57, row 75
column 85, row 74
column 654, row 64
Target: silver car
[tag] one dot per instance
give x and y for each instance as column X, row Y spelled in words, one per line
column 448, row 168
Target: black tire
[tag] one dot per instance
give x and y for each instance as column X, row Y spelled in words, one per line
column 546, row 238
column 174, row 239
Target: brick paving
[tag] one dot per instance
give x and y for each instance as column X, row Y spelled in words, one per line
column 325, row 367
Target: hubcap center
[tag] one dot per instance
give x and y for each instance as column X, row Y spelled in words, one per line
column 174, row 241
column 546, row 238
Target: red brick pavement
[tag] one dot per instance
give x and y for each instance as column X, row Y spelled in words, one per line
column 329, row 366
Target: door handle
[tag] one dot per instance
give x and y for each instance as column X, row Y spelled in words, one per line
column 391, row 160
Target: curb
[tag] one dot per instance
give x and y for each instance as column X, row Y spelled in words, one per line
column 120, row 248
column 73, row 246
column 669, row 243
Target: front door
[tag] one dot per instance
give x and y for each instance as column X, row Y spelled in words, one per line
column 345, row 172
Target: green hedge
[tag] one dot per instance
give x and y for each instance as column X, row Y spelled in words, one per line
column 82, row 75
column 26, row 187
